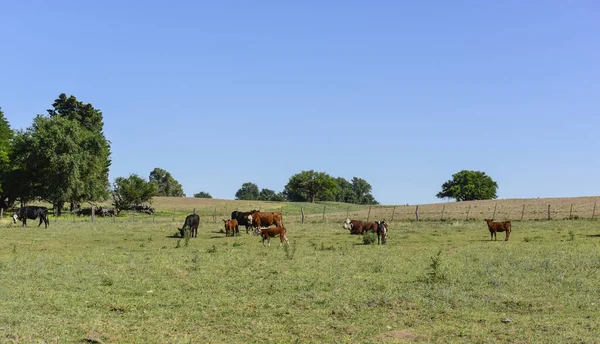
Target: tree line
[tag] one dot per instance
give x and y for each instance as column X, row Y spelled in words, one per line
column 64, row 158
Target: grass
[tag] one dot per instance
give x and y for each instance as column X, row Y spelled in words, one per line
column 134, row 281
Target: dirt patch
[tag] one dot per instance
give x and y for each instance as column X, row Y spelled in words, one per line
column 400, row 336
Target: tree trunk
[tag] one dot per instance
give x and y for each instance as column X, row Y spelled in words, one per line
column 58, row 208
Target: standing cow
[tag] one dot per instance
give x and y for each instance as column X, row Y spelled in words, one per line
column 264, row 219
column 242, row 218
column 191, row 223
column 32, row 213
column 359, row 227
column 495, row 227
column 231, row 227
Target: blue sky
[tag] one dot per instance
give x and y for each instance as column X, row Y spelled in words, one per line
column 403, row 94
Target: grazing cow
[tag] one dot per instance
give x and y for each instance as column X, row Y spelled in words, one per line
column 231, row 227
column 32, row 213
column 271, row 232
column 359, row 227
column 242, row 218
column 498, row 227
column 264, row 219
column 191, row 223
column 382, row 229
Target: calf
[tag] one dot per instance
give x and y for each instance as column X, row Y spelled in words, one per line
column 359, row 227
column 191, row 223
column 381, row 232
column 498, row 227
column 231, row 228
column 32, row 213
column 267, row 233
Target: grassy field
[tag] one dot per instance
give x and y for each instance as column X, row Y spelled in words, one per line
column 132, row 281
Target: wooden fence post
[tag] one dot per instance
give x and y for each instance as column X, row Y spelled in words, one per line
column 1, row 212
column 302, row 210
column 468, row 210
column 194, row 211
column 443, row 208
column 571, row 212
column 215, row 215
column 495, row 205
column 369, row 214
column 548, row 211
column 93, row 213
column 523, row 212
column 348, row 212
column 417, row 213
column 393, row 212
column 173, row 214
column 594, row 211
column 324, row 213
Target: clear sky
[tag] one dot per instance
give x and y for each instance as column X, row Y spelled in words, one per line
column 401, row 93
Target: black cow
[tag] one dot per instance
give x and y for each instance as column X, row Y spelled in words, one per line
column 32, row 213
column 242, row 218
column 191, row 223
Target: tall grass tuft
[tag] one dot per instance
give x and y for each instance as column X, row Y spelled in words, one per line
column 369, row 238
column 290, row 251
column 435, row 273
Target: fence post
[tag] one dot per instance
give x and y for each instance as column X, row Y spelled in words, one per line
column 417, row 213
column 215, row 215
column 93, row 213
column 571, row 212
column 369, row 214
column 324, row 213
column 548, row 211
column 495, row 205
column 302, row 210
column 194, row 211
column 523, row 212
column 1, row 212
column 393, row 212
column 594, row 211
column 347, row 212
column 468, row 210
column 173, row 214
column 443, row 208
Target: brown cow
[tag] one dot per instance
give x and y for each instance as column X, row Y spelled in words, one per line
column 498, row 227
column 231, row 227
column 263, row 219
column 267, row 233
column 359, row 227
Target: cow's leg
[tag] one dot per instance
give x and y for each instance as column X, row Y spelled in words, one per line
column 269, row 240
column 507, row 234
column 41, row 220
column 24, row 221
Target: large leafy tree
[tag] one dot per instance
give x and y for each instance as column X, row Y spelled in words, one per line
column 73, row 109
column 132, row 191
column 345, row 192
column 469, row 186
column 166, row 185
column 248, row 191
column 202, row 194
column 310, row 185
column 362, row 191
column 270, row 195
column 6, row 135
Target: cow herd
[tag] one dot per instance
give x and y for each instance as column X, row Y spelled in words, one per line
column 262, row 222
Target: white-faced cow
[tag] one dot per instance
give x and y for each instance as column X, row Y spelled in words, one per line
column 242, row 217
column 191, row 223
column 32, row 213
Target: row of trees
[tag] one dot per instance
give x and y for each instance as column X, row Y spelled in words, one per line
column 308, row 186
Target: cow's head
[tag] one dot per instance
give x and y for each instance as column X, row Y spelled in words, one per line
column 15, row 218
column 348, row 224
column 249, row 217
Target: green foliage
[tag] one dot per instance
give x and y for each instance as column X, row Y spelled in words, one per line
column 166, row 185
column 270, row 195
column 132, row 191
column 6, row 135
column 74, row 110
column 248, row 191
column 307, row 186
column 369, row 238
column 345, row 191
column 435, row 274
column 202, row 194
column 469, row 186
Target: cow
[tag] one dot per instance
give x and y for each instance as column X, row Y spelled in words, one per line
column 32, row 213
column 191, row 223
column 495, row 227
column 231, row 227
column 359, row 227
column 271, row 232
column 382, row 229
column 242, row 218
column 264, row 219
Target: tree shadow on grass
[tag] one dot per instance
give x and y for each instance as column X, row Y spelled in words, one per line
column 593, row 236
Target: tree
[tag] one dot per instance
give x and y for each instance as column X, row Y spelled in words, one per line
column 469, row 186
column 309, row 185
column 248, row 191
column 74, row 110
column 6, row 135
column 132, row 191
column 345, row 192
column 58, row 160
column 362, row 191
column 270, row 195
column 166, row 185
column 202, row 194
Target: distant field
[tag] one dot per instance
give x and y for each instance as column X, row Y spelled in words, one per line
column 132, row 281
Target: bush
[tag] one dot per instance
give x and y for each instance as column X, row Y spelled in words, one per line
column 369, row 238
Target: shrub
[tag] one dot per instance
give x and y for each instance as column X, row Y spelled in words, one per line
column 369, row 238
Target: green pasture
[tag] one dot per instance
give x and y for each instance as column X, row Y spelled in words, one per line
column 132, row 281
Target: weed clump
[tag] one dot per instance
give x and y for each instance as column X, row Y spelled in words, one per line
column 571, row 235
column 369, row 238
column 290, row 250
column 435, row 273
